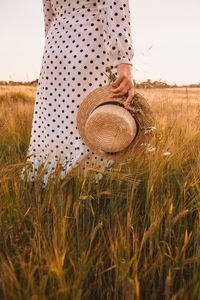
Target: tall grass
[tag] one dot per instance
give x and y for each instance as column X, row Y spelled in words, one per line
column 133, row 235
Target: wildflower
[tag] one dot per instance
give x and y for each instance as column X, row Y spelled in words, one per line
column 151, row 149
column 145, row 145
column 166, row 153
column 149, row 129
column 98, row 177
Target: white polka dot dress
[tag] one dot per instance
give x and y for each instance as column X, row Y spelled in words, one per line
column 82, row 39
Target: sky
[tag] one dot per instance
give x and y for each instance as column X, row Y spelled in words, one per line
column 165, row 34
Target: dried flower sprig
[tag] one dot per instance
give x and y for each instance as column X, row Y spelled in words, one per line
column 111, row 77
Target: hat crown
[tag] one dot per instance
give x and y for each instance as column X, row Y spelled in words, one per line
column 111, row 128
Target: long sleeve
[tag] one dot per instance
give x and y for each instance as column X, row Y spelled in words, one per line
column 115, row 17
column 48, row 15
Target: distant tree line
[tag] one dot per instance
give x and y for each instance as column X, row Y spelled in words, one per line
column 161, row 84
column 28, row 83
column 143, row 85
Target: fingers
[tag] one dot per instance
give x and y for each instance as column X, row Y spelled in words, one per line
column 119, row 88
column 121, row 92
column 117, row 82
column 124, row 85
column 130, row 98
column 120, row 82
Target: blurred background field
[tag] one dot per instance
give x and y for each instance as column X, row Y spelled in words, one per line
column 133, row 235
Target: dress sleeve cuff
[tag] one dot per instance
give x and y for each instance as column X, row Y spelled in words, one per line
column 122, row 60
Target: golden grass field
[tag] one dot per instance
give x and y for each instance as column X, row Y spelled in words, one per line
column 133, row 235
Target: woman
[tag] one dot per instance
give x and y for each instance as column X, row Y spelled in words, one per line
column 82, row 39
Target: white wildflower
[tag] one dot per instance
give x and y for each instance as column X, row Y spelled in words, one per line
column 98, row 177
column 149, row 129
column 151, row 149
column 145, row 145
column 166, row 153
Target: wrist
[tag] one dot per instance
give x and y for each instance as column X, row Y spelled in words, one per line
column 124, row 65
column 125, row 70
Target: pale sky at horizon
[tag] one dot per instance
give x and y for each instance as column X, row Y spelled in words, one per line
column 165, row 38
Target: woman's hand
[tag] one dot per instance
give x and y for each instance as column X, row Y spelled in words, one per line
column 124, row 83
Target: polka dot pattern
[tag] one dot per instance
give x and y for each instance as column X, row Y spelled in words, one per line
column 82, row 38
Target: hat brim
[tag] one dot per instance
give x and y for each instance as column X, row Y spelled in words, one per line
column 140, row 110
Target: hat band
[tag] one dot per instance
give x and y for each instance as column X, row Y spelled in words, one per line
column 131, row 113
column 110, row 102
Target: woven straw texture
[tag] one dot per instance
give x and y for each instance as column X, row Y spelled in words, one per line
column 140, row 110
column 110, row 128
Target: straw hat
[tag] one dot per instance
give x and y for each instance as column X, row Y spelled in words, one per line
column 109, row 129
